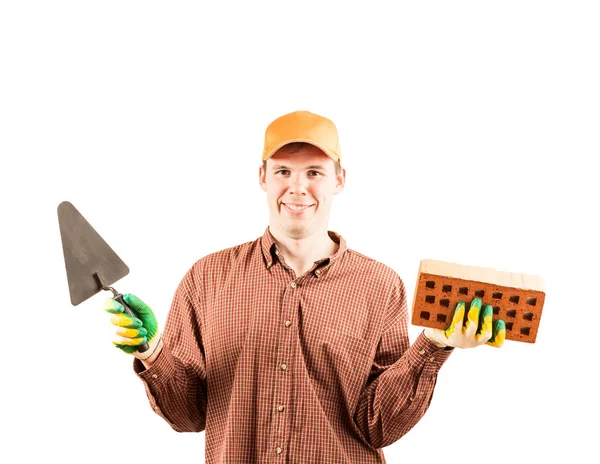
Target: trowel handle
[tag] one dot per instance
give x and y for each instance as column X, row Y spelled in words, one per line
column 128, row 310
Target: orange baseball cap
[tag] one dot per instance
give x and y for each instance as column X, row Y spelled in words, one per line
column 302, row 126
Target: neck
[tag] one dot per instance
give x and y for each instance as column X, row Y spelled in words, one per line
column 301, row 253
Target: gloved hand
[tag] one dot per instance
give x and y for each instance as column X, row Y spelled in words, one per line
column 134, row 331
column 477, row 331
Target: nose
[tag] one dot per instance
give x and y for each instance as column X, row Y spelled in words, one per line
column 297, row 185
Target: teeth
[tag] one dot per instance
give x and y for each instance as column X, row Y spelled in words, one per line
column 296, row 207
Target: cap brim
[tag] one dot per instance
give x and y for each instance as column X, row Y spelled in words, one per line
column 333, row 155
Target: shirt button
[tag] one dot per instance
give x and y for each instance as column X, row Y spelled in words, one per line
column 431, row 359
column 283, row 367
column 317, row 272
column 281, row 408
column 156, row 408
column 288, row 323
column 293, row 285
column 154, row 376
column 278, row 450
column 421, row 351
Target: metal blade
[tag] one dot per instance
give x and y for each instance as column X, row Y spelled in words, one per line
column 86, row 253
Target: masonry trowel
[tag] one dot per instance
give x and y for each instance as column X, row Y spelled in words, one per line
column 91, row 264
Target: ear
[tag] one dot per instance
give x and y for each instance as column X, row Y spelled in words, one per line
column 340, row 181
column 262, row 178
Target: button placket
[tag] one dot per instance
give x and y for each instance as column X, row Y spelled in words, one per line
column 290, row 301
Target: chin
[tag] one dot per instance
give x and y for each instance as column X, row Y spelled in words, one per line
column 296, row 231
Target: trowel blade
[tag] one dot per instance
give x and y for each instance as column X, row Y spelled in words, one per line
column 86, row 254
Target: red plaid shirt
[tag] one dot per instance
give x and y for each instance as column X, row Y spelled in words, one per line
column 285, row 369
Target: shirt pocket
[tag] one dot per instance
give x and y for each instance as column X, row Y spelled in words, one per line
column 342, row 370
column 352, row 344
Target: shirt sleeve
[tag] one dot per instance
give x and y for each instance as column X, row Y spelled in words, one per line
column 402, row 378
column 176, row 382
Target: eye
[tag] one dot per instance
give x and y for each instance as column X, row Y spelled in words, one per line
column 314, row 173
column 282, row 172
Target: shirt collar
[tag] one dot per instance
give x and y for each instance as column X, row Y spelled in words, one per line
column 270, row 250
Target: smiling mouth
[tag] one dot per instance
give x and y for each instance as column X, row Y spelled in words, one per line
column 296, row 208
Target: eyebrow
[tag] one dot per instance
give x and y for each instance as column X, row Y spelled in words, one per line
column 314, row 166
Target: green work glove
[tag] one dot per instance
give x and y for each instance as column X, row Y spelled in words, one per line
column 477, row 331
column 133, row 331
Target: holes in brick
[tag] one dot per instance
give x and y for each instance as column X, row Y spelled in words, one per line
column 430, row 299
column 447, row 288
column 524, row 330
column 425, row 315
column 445, row 303
column 531, row 301
column 430, row 284
column 496, row 310
column 511, row 313
column 509, row 326
column 497, row 295
column 514, row 299
column 528, row 316
column 463, row 290
column 479, row 293
column 441, row 318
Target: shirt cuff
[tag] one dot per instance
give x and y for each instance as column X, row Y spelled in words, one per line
column 156, row 380
column 159, row 373
column 424, row 353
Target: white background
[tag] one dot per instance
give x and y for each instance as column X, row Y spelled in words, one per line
column 469, row 131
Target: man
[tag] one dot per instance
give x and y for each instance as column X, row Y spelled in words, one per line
column 293, row 347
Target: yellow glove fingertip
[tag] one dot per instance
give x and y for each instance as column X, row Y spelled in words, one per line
column 124, row 320
column 457, row 319
column 499, row 334
column 125, row 341
column 113, row 306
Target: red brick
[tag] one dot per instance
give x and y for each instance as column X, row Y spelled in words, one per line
column 517, row 298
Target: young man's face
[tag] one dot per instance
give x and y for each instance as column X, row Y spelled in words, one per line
column 300, row 188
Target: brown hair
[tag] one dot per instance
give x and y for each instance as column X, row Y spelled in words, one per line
column 297, row 146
